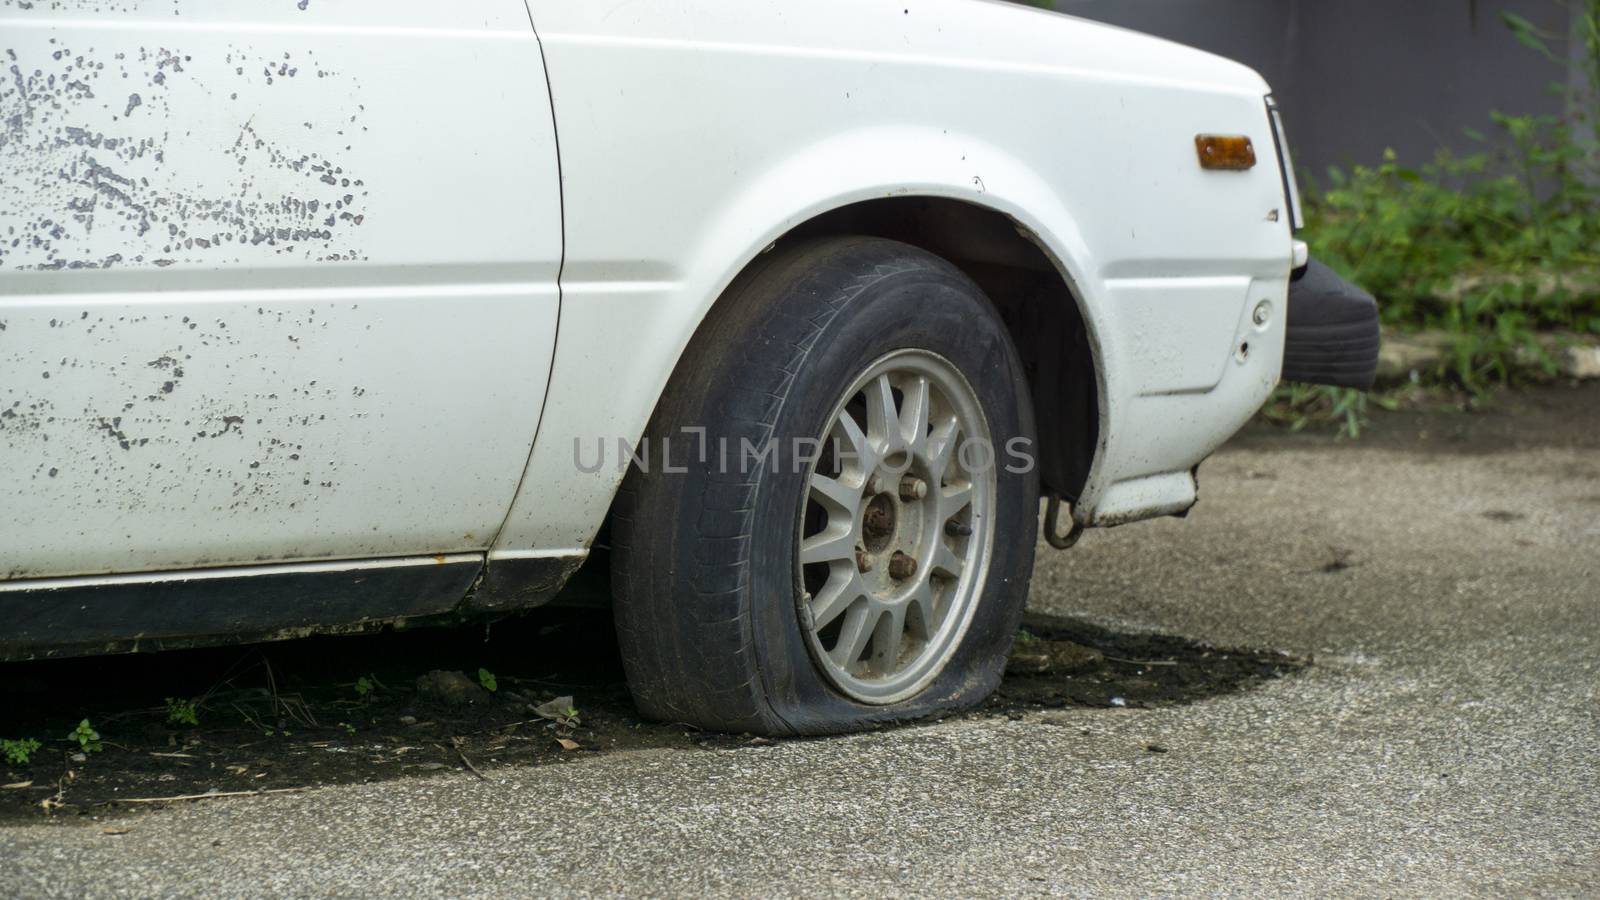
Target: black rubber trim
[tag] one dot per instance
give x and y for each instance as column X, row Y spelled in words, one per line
column 1333, row 335
column 198, row 609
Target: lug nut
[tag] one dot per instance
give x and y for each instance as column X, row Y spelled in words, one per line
column 913, row 488
column 902, row 566
column 863, row 561
column 957, row 529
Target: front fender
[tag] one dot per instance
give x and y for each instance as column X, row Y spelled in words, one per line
column 625, row 322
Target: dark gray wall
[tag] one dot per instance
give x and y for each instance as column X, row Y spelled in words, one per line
column 1356, row 76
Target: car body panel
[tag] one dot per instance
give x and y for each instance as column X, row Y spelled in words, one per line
column 278, row 282
column 692, row 139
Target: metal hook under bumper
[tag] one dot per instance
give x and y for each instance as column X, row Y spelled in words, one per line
column 1052, row 526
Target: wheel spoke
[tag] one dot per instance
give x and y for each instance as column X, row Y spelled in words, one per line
column 839, row 594
column 854, row 635
column 941, row 447
column 946, row 561
column 953, row 499
column 827, row 545
column 887, row 637
column 914, row 414
column 883, row 422
column 840, row 498
column 857, row 448
column 927, row 620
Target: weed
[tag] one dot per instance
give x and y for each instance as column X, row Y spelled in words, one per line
column 182, row 712
column 486, row 678
column 88, row 739
column 365, row 686
column 1300, row 405
column 1492, row 247
column 18, row 752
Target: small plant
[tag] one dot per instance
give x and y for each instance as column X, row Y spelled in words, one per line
column 182, row 712
column 88, row 739
column 365, row 686
column 560, row 711
column 348, row 728
column 18, row 752
column 486, row 678
column 1300, row 405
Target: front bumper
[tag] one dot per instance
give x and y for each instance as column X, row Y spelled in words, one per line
column 1332, row 333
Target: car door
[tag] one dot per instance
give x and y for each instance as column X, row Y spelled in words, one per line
column 277, row 280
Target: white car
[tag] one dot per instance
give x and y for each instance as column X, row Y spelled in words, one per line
column 330, row 315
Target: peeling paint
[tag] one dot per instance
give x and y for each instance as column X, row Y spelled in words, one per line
column 92, row 7
column 90, row 184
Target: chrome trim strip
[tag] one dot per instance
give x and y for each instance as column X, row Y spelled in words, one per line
column 1291, row 187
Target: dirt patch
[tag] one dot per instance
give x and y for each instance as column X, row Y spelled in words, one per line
column 327, row 711
column 1139, row 671
column 320, row 711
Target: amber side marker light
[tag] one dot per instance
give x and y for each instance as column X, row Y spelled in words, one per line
column 1225, row 152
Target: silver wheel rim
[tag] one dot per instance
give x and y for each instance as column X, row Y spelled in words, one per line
column 896, row 528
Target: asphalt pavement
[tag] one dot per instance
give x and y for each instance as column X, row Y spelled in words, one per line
column 1443, row 574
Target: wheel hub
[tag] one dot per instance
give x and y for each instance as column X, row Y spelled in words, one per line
column 879, row 522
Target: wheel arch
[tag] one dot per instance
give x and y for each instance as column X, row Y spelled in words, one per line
column 1037, row 299
column 995, row 214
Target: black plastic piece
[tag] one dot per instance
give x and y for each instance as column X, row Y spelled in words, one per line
column 1333, row 336
column 208, row 609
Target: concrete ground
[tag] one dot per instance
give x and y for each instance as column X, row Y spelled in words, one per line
column 1445, row 574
